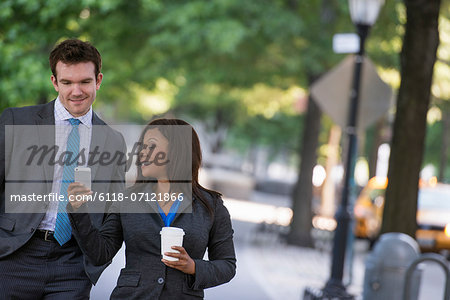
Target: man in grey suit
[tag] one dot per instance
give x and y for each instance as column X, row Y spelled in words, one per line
column 39, row 257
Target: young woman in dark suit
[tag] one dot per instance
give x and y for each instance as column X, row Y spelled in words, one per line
column 168, row 164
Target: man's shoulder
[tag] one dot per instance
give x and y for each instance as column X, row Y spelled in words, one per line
column 31, row 108
column 24, row 114
column 109, row 130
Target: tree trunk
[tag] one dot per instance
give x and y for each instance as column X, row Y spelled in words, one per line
column 328, row 203
column 301, row 225
column 445, row 142
column 377, row 141
column 417, row 61
column 300, row 228
column 219, row 131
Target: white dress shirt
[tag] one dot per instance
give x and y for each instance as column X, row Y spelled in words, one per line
column 62, row 130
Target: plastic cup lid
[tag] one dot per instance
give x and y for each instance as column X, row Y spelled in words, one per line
column 172, row 230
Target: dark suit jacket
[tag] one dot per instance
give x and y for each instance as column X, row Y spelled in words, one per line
column 145, row 276
column 17, row 228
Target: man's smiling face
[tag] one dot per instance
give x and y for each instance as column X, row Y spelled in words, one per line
column 77, row 86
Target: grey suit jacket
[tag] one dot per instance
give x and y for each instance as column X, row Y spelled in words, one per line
column 17, row 228
column 145, row 276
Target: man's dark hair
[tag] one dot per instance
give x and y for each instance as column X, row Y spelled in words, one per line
column 73, row 51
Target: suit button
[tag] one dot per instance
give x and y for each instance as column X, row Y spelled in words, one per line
column 160, row 280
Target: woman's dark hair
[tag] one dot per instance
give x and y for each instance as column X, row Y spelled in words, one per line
column 174, row 130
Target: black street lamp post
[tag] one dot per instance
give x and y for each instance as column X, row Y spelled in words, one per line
column 335, row 285
column 364, row 13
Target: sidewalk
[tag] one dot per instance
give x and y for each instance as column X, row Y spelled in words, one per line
column 279, row 270
column 283, row 272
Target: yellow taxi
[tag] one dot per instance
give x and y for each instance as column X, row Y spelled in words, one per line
column 433, row 213
column 368, row 209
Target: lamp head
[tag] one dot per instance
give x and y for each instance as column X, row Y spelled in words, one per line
column 365, row 12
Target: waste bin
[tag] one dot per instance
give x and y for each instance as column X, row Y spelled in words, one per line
column 386, row 268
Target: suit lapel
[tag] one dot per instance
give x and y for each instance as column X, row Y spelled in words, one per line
column 98, row 140
column 184, row 208
column 45, row 119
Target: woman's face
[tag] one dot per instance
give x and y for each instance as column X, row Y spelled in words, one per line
column 154, row 155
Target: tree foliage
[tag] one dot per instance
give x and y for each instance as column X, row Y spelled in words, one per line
column 201, row 58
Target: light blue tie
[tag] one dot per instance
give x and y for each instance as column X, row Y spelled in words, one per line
column 63, row 230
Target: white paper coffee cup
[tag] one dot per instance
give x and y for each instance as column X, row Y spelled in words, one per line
column 171, row 236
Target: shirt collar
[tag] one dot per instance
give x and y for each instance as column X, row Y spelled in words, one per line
column 62, row 114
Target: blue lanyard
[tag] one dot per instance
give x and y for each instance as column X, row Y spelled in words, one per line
column 171, row 215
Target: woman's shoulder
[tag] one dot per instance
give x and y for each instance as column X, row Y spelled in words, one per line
column 210, row 193
column 212, row 197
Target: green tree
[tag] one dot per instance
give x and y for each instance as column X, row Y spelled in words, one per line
column 28, row 31
column 323, row 19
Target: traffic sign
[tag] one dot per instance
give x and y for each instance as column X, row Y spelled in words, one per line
column 332, row 93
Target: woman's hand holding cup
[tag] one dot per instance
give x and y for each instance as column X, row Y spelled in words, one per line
column 184, row 263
